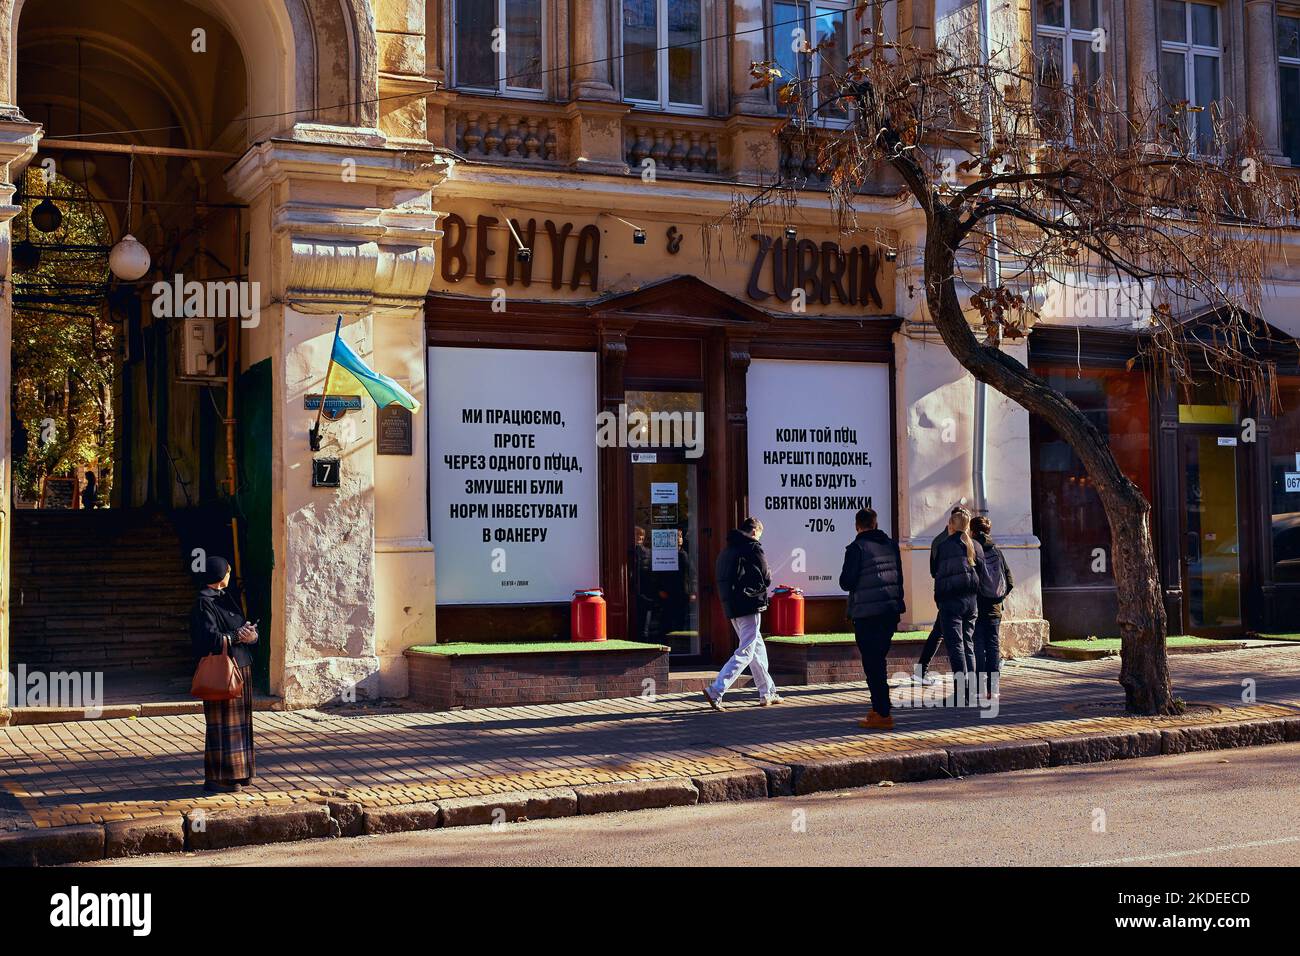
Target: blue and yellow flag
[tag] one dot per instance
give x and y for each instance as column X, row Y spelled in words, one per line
column 349, row 375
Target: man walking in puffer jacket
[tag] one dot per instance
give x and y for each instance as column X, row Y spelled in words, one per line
column 743, row 583
column 873, row 576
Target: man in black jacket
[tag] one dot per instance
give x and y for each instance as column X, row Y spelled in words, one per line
column 743, row 583
column 873, row 576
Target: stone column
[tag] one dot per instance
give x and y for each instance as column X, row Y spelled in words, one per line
column 935, row 401
column 748, row 45
column 1143, row 60
column 18, row 142
column 591, row 59
column 1262, row 93
column 341, row 229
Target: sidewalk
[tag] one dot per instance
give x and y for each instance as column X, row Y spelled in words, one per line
column 346, row 766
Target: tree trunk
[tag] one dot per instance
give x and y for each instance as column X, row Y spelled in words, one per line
column 1144, row 670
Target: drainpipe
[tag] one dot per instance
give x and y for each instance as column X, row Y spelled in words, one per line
column 992, row 278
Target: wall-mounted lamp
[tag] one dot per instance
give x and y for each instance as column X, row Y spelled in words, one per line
column 522, row 252
column 891, row 255
column 791, row 233
column 638, row 234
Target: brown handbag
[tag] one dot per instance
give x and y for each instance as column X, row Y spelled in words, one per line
column 217, row 678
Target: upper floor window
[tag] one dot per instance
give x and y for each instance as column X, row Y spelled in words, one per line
column 1288, row 56
column 498, row 47
column 1191, row 66
column 663, row 54
column 810, row 41
column 1068, row 41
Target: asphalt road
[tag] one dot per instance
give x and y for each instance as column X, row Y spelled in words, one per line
column 1225, row 808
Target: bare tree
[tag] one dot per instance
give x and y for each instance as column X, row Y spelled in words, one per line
column 1030, row 181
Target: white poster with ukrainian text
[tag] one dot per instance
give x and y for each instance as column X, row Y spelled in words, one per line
column 819, row 449
column 513, row 474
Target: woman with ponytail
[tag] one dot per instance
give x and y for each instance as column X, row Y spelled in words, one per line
column 956, row 586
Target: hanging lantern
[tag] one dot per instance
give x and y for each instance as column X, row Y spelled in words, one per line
column 79, row 169
column 129, row 259
column 47, row 217
column 26, row 256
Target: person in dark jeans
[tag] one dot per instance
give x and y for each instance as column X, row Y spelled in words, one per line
column 995, row 585
column 956, row 584
column 931, row 646
column 873, row 576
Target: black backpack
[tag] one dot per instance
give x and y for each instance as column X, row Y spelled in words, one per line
column 992, row 575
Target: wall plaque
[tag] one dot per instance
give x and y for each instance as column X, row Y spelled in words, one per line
column 325, row 473
column 393, row 431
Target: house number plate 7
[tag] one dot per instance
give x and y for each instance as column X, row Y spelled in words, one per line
column 324, row 472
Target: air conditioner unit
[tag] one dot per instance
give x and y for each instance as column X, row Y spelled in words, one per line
column 198, row 349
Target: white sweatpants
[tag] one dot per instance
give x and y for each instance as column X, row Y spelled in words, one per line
column 751, row 653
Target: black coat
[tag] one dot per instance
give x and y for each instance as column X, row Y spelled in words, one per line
column 955, row 577
column 214, row 619
column 873, row 576
column 743, row 575
column 939, row 539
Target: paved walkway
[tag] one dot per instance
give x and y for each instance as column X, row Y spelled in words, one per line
column 97, row 771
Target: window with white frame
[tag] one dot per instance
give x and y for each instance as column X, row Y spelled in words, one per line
column 499, row 47
column 1068, row 46
column 1288, row 60
column 810, row 41
column 1191, row 66
column 663, row 54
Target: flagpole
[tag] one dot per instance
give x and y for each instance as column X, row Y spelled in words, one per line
column 324, row 392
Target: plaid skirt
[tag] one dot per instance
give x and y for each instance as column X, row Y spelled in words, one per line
column 228, row 747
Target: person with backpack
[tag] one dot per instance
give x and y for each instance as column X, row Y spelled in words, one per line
column 743, row 582
column 996, row 582
column 956, row 584
column 873, row 576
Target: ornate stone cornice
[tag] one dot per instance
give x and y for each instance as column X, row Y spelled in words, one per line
column 336, row 256
column 18, row 142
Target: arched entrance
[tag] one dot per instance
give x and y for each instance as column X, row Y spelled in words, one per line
column 121, row 400
column 241, row 142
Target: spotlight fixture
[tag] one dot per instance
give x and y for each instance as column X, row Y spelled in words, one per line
column 47, row 217
column 638, row 234
column 522, row 252
column 791, row 233
column 891, row 255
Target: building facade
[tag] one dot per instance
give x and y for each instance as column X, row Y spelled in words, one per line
column 521, row 210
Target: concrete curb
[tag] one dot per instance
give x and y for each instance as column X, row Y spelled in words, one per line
column 636, row 795
column 160, row 834
column 245, row 826
column 336, row 816
column 843, row 773
column 53, row 846
column 1000, row 757
column 750, row 783
column 1095, row 748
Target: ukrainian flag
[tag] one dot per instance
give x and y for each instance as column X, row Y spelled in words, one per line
column 349, row 375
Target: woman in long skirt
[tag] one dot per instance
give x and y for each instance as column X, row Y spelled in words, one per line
column 217, row 624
